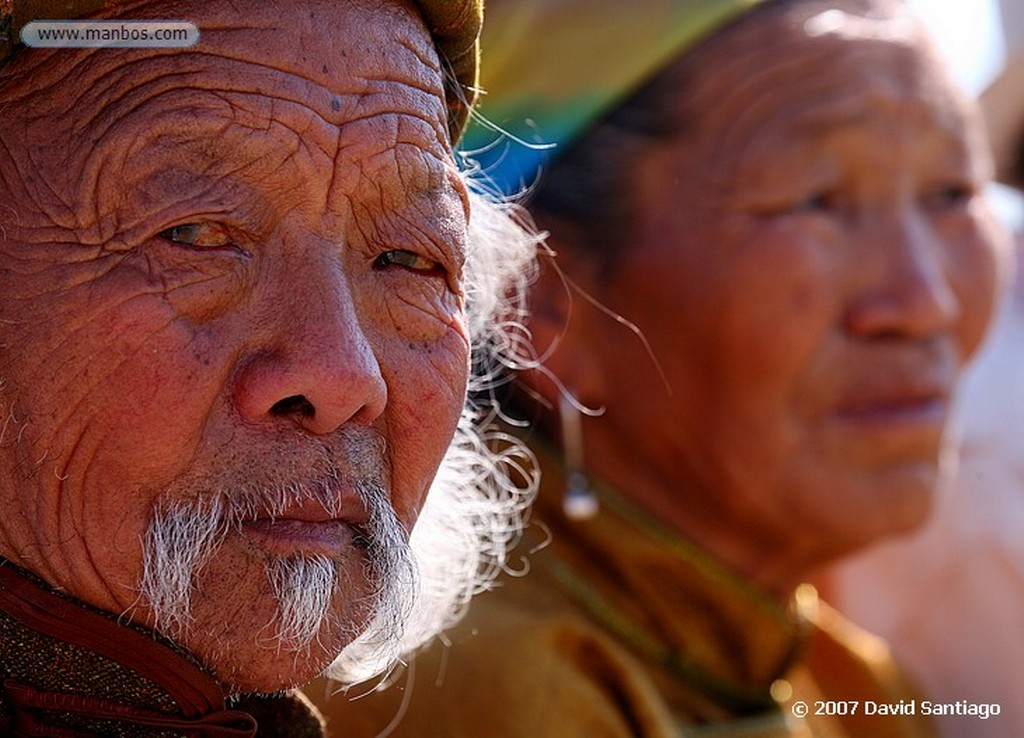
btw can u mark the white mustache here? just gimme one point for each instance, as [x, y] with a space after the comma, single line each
[185, 535]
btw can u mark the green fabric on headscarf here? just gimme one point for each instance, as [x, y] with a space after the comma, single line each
[454, 24]
[551, 68]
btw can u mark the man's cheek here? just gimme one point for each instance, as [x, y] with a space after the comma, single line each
[137, 411]
[417, 309]
[459, 326]
[425, 400]
[112, 522]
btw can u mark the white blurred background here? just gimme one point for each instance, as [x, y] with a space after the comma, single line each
[970, 33]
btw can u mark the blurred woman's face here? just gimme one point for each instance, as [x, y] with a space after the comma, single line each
[813, 264]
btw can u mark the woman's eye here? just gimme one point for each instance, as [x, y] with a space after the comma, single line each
[816, 203]
[951, 196]
[198, 235]
[407, 260]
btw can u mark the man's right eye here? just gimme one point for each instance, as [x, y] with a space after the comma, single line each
[197, 235]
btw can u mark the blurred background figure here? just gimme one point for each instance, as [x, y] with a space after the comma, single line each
[951, 598]
[772, 261]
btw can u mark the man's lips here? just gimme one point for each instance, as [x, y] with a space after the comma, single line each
[309, 528]
[289, 537]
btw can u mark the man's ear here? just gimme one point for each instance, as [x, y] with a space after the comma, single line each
[562, 323]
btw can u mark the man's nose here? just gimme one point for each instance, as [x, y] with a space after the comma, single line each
[316, 368]
[905, 290]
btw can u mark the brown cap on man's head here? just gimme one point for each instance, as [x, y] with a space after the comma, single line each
[454, 24]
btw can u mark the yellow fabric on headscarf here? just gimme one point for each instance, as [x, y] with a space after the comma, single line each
[551, 68]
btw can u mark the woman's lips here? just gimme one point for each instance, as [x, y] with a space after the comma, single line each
[910, 406]
[930, 407]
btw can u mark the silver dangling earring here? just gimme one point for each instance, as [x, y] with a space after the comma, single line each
[579, 502]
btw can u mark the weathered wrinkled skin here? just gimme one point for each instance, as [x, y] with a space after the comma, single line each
[812, 264]
[306, 140]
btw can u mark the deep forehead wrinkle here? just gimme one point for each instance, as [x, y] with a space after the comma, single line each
[115, 93]
[211, 108]
[289, 166]
[248, 111]
[865, 109]
[224, 30]
[394, 60]
[808, 83]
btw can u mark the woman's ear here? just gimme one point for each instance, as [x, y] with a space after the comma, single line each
[562, 323]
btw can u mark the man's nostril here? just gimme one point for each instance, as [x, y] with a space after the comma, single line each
[294, 405]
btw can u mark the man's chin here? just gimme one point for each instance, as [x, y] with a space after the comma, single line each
[244, 663]
[237, 630]
[263, 672]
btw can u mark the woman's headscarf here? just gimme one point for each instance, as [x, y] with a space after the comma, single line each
[552, 68]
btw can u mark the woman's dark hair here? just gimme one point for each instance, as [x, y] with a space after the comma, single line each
[1016, 174]
[588, 184]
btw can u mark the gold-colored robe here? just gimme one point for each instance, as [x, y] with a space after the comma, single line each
[618, 627]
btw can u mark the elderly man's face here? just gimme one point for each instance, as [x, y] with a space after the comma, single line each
[231, 313]
[812, 267]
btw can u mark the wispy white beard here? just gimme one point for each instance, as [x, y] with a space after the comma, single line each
[472, 518]
[183, 537]
[179, 542]
[303, 586]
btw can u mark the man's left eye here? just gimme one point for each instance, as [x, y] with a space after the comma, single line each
[198, 235]
[406, 259]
